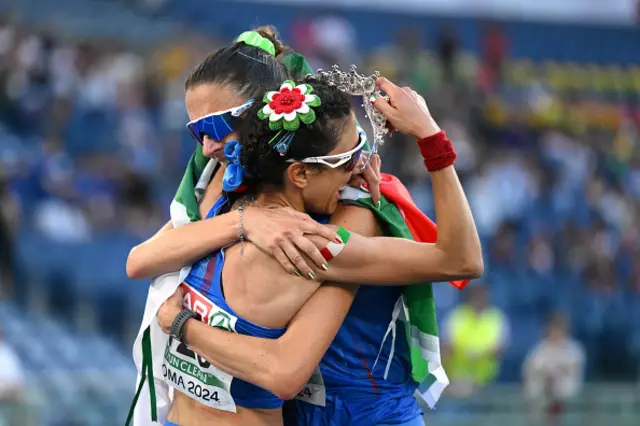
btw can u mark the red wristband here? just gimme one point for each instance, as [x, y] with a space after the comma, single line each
[437, 151]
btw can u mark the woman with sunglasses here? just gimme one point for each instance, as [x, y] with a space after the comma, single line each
[298, 150]
[296, 353]
[217, 91]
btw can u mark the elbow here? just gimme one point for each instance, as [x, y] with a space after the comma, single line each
[472, 267]
[287, 391]
[283, 381]
[135, 271]
[462, 267]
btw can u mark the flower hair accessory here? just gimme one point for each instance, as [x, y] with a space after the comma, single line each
[289, 106]
[234, 173]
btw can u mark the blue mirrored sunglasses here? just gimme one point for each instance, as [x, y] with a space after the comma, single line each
[217, 125]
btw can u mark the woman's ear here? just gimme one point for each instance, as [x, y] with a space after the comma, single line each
[298, 174]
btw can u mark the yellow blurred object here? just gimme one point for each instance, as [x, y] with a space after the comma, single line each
[555, 76]
[576, 119]
[382, 62]
[635, 78]
[475, 339]
[623, 145]
[174, 61]
[551, 116]
[522, 72]
[494, 112]
[616, 78]
[599, 79]
[576, 76]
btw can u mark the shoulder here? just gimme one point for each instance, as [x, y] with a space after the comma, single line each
[251, 263]
[354, 218]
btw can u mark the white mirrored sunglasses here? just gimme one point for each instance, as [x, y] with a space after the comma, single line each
[350, 158]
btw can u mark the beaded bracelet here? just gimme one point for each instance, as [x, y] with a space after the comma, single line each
[240, 228]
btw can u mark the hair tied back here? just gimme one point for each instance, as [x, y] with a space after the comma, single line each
[253, 38]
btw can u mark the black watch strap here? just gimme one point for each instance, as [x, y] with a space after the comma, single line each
[177, 327]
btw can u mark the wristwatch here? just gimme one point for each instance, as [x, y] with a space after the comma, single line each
[177, 327]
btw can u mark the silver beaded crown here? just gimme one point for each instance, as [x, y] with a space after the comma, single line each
[356, 84]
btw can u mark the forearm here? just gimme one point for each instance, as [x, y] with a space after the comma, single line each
[175, 248]
[393, 261]
[282, 365]
[457, 235]
[244, 357]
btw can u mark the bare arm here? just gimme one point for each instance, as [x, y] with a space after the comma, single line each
[390, 261]
[283, 365]
[396, 261]
[173, 248]
[279, 232]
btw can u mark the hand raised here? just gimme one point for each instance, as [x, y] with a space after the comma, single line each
[405, 110]
[368, 177]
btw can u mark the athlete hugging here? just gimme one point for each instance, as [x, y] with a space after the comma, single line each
[268, 310]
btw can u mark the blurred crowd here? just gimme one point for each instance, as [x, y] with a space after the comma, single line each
[92, 146]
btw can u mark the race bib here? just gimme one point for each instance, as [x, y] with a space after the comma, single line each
[314, 391]
[190, 373]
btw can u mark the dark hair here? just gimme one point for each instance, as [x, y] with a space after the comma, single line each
[249, 69]
[264, 164]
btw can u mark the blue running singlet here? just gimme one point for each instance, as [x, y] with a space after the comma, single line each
[203, 294]
[357, 393]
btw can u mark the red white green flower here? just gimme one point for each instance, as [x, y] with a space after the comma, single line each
[289, 106]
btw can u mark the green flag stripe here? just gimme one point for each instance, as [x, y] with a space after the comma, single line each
[343, 234]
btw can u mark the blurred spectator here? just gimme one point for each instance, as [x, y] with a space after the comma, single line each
[494, 51]
[9, 223]
[448, 53]
[140, 214]
[334, 39]
[11, 373]
[475, 336]
[553, 371]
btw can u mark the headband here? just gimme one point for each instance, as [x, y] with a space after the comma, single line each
[253, 38]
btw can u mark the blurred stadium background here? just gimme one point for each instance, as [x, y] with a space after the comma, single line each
[542, 99]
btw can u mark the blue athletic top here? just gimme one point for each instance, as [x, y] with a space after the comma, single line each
[348, 365]
[206, 278]
[356, 392]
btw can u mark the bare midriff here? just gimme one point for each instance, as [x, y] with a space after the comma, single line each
[187, 412]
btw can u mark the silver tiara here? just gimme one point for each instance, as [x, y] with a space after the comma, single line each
[356, 84]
